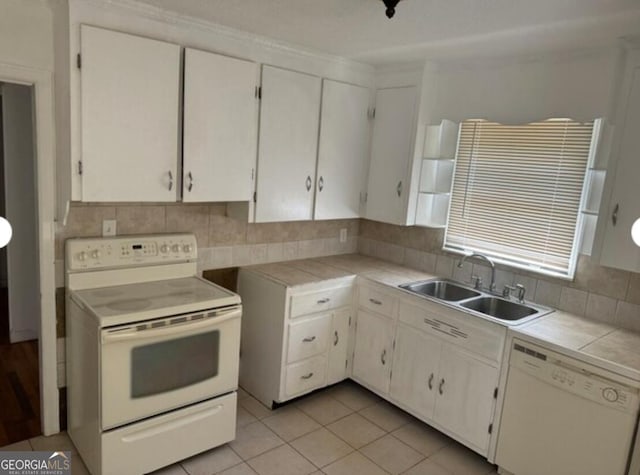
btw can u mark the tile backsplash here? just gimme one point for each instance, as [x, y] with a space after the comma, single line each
[222, 240]
[597, 292]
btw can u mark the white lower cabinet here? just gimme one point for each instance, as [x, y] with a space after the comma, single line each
[339, 345]
[438, 363]
[373, 350]
[295, 339]
[415, 370]
[465, 401]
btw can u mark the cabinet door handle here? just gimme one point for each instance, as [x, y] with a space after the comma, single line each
[614, 216]
[324, 300]
[308, 183]
[399, 188]
[383, 357]
[320, 184]
[190, 185]
[307, 376]
[430, 382]
[170, 180]
[441, 386]
[309, 339]
[375, 302]
[336, 338]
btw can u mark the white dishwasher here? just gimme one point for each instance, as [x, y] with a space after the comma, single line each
[562, 416]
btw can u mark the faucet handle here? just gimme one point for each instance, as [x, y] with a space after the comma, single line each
[521, 292]
[506, 291]
[476, 280]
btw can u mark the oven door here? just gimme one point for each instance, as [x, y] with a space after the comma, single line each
[164, 364]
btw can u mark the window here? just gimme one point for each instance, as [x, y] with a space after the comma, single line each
[518, 191]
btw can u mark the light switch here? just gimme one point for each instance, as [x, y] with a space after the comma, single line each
[109, 227]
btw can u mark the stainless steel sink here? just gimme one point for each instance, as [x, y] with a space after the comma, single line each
[499, 308]
[476, 302]
[441, 289]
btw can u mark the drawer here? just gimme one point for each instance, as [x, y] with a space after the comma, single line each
[305, 376]
[377, 300]
[150, 444]
[468, 331]
[308, 337]
[319, 300]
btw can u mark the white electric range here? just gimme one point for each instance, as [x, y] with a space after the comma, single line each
[152, 353]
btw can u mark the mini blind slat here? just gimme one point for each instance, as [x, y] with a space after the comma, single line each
[517, 191]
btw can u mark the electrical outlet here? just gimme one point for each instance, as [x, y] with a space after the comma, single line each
[343, 235]
[109, 227]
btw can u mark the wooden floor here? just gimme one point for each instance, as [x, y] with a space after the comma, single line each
[19, 384]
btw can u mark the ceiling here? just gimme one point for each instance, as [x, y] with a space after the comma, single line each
[359, 29]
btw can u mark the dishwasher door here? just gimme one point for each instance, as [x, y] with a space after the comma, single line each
[559, 418]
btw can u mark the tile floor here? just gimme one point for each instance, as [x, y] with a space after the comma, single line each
[343, 430]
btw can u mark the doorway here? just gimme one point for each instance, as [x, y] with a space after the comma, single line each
[19, 280]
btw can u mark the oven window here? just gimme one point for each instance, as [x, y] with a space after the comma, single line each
[174, 364]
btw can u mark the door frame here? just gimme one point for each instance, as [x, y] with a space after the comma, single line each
[44, 115]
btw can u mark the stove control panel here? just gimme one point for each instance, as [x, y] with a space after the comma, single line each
[129, 251]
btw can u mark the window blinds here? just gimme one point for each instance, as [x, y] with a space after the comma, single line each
[517, 192]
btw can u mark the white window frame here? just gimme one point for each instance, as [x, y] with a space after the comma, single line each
[579, 226]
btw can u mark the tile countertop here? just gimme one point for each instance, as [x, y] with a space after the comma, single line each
[600, 344]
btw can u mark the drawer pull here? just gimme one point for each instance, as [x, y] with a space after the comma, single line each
[309, 339]
[375, 302]
[336, 338]
[440, 388]
[431, 382]
[307, 376]
[383, 357]
[324, 300]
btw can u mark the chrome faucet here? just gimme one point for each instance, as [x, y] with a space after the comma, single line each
[492, 286]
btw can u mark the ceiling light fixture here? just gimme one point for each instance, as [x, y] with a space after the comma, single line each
[391, 7]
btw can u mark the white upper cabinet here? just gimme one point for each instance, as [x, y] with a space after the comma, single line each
[288, 144]
[343, 151]
[130, 115]
[392, 147]
[618, 249]
[220, 127]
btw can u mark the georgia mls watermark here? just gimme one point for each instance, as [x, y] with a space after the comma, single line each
[35, 463]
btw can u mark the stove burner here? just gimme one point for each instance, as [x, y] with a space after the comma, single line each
[130, 305]
[107, 292]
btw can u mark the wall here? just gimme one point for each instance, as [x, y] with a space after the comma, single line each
[21, 211]
[580, 85]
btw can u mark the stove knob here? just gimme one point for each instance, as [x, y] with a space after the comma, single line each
[175, 248]
[82, 256]
[95, 254]
[164, 249]
[187, 248]
[610, 394]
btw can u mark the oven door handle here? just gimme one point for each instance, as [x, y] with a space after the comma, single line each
[170, 330]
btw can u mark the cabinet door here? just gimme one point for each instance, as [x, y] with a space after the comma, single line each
[618, 248]
[414, 377]
[130, 107]
[220, 127]
[373, 350]
[465, 399]
[289, 118]
[343, 151]
[391, 155]
[338, 346]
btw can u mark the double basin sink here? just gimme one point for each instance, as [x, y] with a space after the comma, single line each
[476, 301]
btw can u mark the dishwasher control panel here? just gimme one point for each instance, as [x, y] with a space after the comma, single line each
[574, 376]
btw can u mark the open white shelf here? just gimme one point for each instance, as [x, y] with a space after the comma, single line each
[432, 210]
[436, 174]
